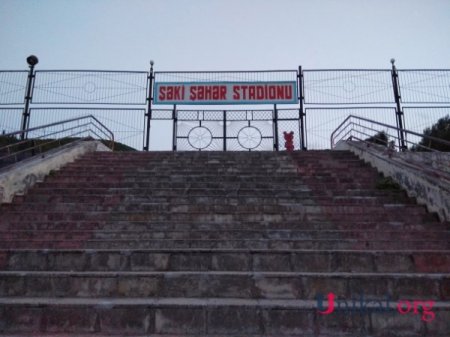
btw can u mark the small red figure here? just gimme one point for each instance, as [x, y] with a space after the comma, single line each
[289, 138]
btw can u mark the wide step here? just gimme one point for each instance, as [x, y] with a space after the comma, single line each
[215, 317]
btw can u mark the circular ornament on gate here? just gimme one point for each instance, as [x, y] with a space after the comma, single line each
[349, 86]
[90, 87]
[200, 137]
[249, 137]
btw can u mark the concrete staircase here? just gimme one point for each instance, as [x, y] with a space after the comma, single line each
[221, 244]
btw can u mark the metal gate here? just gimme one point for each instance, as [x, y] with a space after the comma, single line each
[231, 130]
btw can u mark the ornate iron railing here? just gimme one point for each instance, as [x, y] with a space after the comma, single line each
[408, 99]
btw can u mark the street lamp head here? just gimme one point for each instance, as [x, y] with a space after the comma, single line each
[32, 60]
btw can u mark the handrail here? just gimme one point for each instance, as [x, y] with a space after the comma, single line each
[347, 122]
[86, 124]
[57, 123]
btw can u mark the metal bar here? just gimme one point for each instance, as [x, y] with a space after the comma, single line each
[225, 71]
[224, 130]
[54, 124]
[28, 97]
[301, 97]
[149, 112]
[175, 128]
[275, 125]
[104, 127]
[399, 111]
[48, 135]
[336, 131]
[106, 130]
[41, 145]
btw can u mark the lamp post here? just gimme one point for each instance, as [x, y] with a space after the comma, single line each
[399, 112]
[32, 60]
[149, 109]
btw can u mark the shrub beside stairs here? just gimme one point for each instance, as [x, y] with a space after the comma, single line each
[221, 244]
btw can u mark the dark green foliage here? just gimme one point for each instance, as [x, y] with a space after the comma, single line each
[441, 130]
[380, 138]
[119, 147]
[387, 183]
[7, 140]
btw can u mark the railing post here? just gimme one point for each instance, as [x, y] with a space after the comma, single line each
[302, 113]
[225, 130]
[32, 61]
[275, 125]
[149, 110]
[175, 126]
[398, 110]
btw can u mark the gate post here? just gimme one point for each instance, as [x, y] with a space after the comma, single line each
[175, 128]
[398, 110]
[302, 114]
[32, 61]
[275, 126]
[225, 130]
[149, 111]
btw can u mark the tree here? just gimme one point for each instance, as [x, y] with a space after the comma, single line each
[441, 130]
[380, 138]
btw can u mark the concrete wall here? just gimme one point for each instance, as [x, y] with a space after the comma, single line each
[18, 178]
[425, 176]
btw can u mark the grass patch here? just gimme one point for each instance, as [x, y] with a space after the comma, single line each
[387, 183]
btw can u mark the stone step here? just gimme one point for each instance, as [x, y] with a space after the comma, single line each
[219, 317]
[120, 188]
[236, 196]
[250, 216]
[195, 196]
[222, 234]
[265, 182]
[409, 261]
[104, 198]
[339, 244]
[156, 208]
[116, 225]
[222, 284]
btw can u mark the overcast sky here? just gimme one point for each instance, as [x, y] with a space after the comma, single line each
[224, 34]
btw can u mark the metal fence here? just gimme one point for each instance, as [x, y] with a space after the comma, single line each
[124, 102]
[12, 87]
[117, 98]
[340, 87]
[90, 87]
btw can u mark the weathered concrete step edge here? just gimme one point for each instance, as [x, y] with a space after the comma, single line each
[275, 241]
[278, 233]
[112, 302]
[226, 260]
[231, 225]
[210, 317]
[273, 285]
[141, 205]
[223, 235]
[109, 198]
[238, 244]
